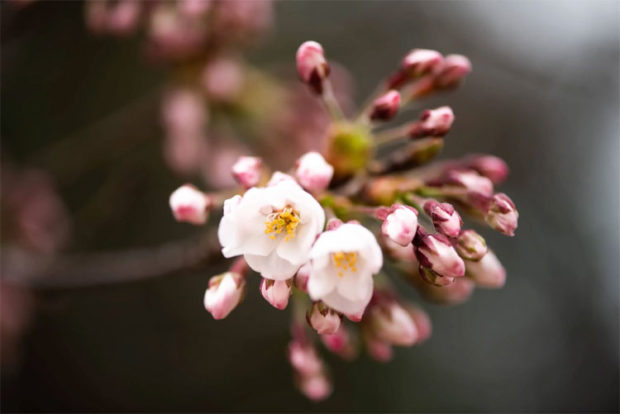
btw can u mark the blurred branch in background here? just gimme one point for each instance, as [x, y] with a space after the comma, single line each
[21, 267]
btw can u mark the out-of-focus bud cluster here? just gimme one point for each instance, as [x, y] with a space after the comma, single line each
[310, 373]
[34, 216]
[311, 229]
[182, 29]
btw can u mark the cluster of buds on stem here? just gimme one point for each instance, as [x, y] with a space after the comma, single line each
[310, 373]
[311, 232]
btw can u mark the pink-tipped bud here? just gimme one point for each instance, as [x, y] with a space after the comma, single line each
[398, 252]
[183, 112]
[471, 181]
[304, 359]
[401, 224]
[490, 166]
[190, 205]
[247, 171]
[502, 214]
[457, 292]
[224, 294]
[194, 8]
[433, 123]
[433, 278]
[340, 343]
[316, 388]
[451, 71]
[422, 323]
[313, 172]
[279, 177]
[391, 323]
[302, 276]
[435, 252]
[445, 218]
[471, 246]
[333, 224]
[276, 292]
[323, 319]
[421, 61]
[377, 349]
[386, 106]
[488, 272]
[312, 66]
[223, 79]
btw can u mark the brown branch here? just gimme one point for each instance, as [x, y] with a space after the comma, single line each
[95, 269]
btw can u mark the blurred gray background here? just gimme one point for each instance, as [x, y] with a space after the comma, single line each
[544, 95]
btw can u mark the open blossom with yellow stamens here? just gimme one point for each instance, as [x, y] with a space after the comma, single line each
[272, 227]
[343, 263]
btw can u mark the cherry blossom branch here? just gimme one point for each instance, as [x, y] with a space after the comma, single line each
[95, 269]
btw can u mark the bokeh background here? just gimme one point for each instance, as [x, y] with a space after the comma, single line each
[544, 95]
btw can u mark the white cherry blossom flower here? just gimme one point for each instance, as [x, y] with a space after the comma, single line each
[343, 263]
[272, 227]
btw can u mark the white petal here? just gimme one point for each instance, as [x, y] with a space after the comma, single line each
[355, 286]
[272, 266]
[297, 249]
[320, 283]
[341, 304]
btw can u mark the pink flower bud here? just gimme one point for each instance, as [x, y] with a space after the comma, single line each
[471, 181]
[302, 276]
[247, 171]
[445, 218]
[312, 66]
[377, 349]
[333, 224]
[397, 251]
[124, 17]
[422, 323]
[386, 106]
[433, 278]
[502, 214]
[340, 343]
[401, 224]
[194, 8]
[223, 79]
[451, 71]
[391, 323]
[316, 388]
[471, 246]
[313, 172]
[457, 292]
[433, 123]
[435, 252]
[278, 177]
[490, 166]
[304, 359]
[323, 319]
[276, 292]
[190, 205]
[224, 293]
[421, 61]
[184, 112]
[488, 272]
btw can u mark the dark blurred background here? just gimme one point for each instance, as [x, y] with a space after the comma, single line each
[544, 95]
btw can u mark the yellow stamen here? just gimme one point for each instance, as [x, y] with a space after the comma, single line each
[345, 261]
[285, 220]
